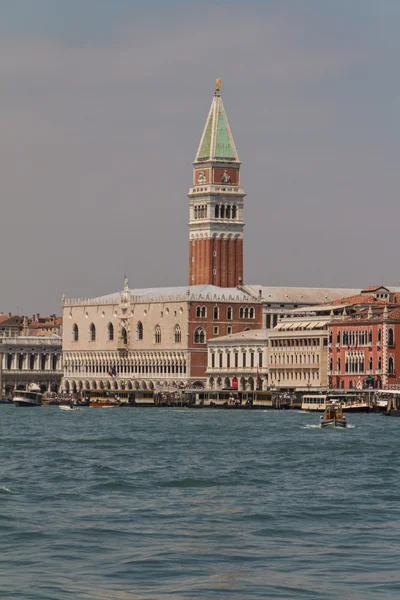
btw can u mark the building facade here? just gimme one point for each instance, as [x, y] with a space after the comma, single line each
[298, 353]
[363, 352]
[30, 359]
[149, 339]
[239, 361]
[279, 301]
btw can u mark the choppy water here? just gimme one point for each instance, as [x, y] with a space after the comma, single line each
[127, 504]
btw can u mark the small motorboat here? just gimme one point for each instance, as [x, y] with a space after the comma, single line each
[68, 407]
[333, 417]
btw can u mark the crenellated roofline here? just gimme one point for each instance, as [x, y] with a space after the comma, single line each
[189, 296]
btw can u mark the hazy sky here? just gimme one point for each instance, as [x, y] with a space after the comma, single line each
[102, 107]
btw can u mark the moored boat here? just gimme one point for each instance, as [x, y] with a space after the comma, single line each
[332, 417]
[350, 402]
[31, 396]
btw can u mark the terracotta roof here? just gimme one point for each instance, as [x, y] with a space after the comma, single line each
[377, 314]
[13, 321]
[373, 288]
[43, 324]
[394, 314]
[359, 299]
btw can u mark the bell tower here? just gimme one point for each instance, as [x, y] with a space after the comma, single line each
[216, 205]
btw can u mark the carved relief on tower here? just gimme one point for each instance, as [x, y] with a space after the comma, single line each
[201, 177]
[225, 176]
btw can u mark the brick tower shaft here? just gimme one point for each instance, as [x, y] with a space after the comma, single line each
[216, 205]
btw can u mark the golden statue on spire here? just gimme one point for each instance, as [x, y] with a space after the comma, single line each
[218, 84]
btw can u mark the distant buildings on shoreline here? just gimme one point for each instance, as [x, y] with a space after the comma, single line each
[215, 332]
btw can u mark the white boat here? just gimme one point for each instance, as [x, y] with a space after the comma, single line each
[32, 396]
[314, 402]
[68, 408]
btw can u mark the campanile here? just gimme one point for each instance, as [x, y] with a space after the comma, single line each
[216, 205]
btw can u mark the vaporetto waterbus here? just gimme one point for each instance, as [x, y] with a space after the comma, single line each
[230, 399]
[349, 401]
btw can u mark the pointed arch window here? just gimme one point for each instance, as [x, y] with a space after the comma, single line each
[110, 329]
[229, 313]
[233, 212]
[390, 365]
[216, 212]
[199, 336]
[379, 362]
[330, 364]
[241, 313]
[379, 336]
[216, 313]
[198, 311]
[75, 332]
[177, 334]
[370, 363]
[228, 212]
[92, 332]
[124, 336]
[139, 330]
[251, 313]
[390, 337]
[203, 311]
[157, 335]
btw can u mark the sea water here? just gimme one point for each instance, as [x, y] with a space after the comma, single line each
[141, 503]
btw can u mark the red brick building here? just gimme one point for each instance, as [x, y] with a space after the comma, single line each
[363, 352]
[209, 320]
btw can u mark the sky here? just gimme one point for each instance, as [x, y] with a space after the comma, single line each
[101, 111]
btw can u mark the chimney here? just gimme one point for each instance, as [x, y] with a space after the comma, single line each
[259, 293]
[9, 315]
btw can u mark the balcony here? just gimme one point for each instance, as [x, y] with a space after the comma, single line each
[122, 344]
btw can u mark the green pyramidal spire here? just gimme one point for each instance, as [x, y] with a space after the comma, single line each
[217, 141]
